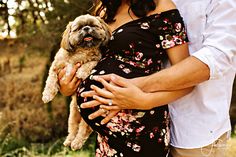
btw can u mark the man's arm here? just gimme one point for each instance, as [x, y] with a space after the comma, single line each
[216, 57]
[187, 73]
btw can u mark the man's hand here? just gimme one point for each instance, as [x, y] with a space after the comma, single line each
[68, 83]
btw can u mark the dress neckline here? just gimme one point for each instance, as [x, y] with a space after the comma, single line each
[142, 18]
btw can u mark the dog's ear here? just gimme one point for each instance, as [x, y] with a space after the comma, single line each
[107, 30]
[65, 43]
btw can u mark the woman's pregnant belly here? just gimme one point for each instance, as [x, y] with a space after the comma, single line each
[106, 66]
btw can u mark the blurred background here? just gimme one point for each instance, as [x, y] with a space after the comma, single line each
[30, 34]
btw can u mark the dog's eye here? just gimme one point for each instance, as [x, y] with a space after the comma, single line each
[75, 29]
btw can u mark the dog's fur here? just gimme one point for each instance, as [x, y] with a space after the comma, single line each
[80, 43]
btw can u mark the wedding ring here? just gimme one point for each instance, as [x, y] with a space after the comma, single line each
[110, 102]
[104, 111]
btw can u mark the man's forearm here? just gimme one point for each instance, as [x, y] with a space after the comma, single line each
[187, 73]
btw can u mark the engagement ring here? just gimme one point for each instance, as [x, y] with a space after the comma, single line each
[110, 102]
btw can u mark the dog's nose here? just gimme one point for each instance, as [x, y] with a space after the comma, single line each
[86, 28]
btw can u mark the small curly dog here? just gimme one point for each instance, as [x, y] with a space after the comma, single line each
[81, 43]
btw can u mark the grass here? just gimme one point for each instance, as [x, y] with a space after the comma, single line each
[231, 150]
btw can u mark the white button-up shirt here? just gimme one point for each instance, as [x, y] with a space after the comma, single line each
[202, 116]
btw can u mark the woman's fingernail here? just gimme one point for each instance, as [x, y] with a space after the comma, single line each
[95, 77]
[92, 86]
[82, 94]
[90, 117]
[102, 123]
[113, 78]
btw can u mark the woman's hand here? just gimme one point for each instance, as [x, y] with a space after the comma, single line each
[101, 112]
[68, 83]
[119, 94]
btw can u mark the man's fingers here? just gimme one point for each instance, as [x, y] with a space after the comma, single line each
[102, 92]
[98, 113]
[101, 99]
[90, 104]
[105, 77]
[110, 115]
[107, 107]
[88, 94]
[109, 86]
[120, 81]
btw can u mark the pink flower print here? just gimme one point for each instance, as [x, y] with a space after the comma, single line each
[127, 70]
[165, 28]
[166, 20]
[121, 66]
[147, 71]
[136, 147]
[155, 129]
[178, 27]
[145, 25]
[167, 137]
[104, 149]
[167, 44]
[127, 52]
[138, 130]
[158, 45]
[131, 45]
[139, 55]
[132, 63]
[149, 61]
[151, 135]
[159, 140]
[157, 16]
[177, 39]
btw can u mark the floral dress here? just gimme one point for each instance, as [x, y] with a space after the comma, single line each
[137, 48]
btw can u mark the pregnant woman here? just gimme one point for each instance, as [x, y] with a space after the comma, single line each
[146, 34]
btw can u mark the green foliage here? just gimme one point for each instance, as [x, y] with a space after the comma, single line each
[11, 147]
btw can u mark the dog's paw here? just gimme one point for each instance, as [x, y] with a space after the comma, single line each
[46, 98]
[77, 144]
[68, 141]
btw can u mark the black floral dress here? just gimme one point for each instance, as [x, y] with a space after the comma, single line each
[137, 48]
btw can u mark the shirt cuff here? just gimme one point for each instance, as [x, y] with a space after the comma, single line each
[205, 55]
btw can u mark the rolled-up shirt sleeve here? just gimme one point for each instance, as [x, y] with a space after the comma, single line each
[219, 38]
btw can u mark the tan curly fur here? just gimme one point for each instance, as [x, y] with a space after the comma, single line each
[80, 44]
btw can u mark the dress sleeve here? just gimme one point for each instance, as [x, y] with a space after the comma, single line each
[172, 31]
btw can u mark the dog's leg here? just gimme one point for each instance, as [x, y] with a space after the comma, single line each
[84, 71]
[51, 87]
[73, 121]
[84, 131]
